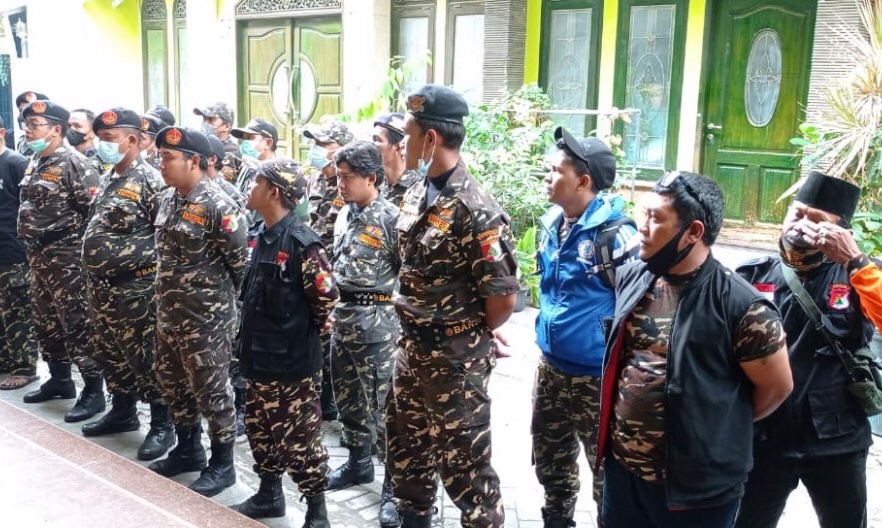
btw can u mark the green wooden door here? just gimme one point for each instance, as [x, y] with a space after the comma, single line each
[291, 74]
[757, 88]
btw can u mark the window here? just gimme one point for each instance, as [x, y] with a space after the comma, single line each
[153, 23]
[182, 87]
[413, 37]
[465, 48]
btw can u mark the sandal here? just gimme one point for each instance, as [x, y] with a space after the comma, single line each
[19, 378]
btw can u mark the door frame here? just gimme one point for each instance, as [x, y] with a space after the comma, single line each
[244, 11]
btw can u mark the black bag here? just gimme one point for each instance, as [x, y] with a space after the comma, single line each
[863, 368]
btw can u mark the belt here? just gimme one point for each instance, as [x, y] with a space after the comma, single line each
[45, 240]
[439, 333]
[123, 278]
[365, 298]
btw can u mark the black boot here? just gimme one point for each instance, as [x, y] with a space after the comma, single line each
[122, 418]
[90, 402]
[388, 515]
[329, 403]
[220, 473]
[240, 411]
[161, 435]
[269, 501]
[59, 385]
[359, 469]
[316, 513]
[556, 520]
[412, 520]
[188, 455]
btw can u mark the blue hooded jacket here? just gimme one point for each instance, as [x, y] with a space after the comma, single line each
[573, 301]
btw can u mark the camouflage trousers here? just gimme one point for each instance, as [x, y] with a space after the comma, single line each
[283, 421]
[124, 335]
[361, 375]
[565, 413]
[19, 346]
[192, 369]
[438, 422]
[58, 301]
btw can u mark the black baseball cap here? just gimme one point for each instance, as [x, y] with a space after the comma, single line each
[184, 139]
[392, 121]
[260, 127]
[594, 152]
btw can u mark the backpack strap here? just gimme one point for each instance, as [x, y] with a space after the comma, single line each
[605, 244]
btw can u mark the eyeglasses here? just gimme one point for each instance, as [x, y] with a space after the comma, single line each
[668, 181]
[32, 126]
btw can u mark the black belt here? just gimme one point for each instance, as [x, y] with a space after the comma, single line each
[366, 298]
[45, 240]
[435, 333]
[123, 278]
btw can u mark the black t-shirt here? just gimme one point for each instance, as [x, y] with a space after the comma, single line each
[12, 169]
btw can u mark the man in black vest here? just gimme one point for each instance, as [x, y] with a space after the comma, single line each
[818, 435]
[694, 357]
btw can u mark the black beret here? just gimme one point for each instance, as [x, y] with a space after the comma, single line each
[150, 124]
[29, 97]
[184, 139]
[434, 101]
[217, 147]
[594, 152]
[117, 118]
[162, 112]
[47, 109]
[830, 194]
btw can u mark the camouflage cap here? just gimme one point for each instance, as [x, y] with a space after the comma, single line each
[117, 118]
[47, 109]
[437, 102]
[286, 175]
[329, 131]
[184, 139]
[218, 109]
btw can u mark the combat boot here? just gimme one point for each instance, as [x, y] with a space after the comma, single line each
[220, 473]
[316, 513]
[555, 520]
[410, 519]
[359, 469]
[90, 402]
[269, 501]
[122, 418]
[188, 455]
[161, 435]
[240, 412]
[59, 385]
[388, 515]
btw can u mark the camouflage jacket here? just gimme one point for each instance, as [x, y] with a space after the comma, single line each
[120, 237]
[366, 263]
[232, 162]
[324, 205]
[235, 194]
[55, 194]
[200, 247]
[395, 193]
[454, 253]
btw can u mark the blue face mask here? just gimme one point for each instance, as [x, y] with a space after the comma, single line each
[247, 148]
[38, 145]
[109, 152]
[423, 165]
[318, 157]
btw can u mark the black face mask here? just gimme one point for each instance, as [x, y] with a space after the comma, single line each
[667, 257]
[75, 138]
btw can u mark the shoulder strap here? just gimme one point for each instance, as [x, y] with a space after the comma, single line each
[819, 320]
[605, 244]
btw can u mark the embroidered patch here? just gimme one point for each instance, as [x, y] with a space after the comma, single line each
[586, 250]
[145, 125]
[53, 170]
[282, 259]
[50, 177]
[338, 202]
[193, 218]
[109, 118]
[324, 282]
[839, 296]
[196, 208]
[132, 186]
[416, 103]
[128, 194]
[767, 290]
[369, 241]
[374, 231]
[491, 252]
[439, 223]
[173, 136]
[231, 223]
[93, 191]
[38, 107]
[30, 97]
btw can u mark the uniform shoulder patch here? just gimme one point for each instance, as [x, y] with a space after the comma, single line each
[839, 296]
[230, 223]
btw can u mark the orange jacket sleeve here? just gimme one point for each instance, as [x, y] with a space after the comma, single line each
[867, 281]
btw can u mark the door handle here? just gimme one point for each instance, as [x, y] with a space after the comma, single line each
[712, 126]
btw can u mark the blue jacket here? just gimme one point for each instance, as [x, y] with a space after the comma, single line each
[573, 301]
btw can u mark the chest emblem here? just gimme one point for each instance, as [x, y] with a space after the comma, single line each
[282, 260]
[586, 250]
[839, 296]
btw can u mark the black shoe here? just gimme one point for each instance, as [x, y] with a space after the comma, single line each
[269, 501]
[240, 412]
[161, 435]
[556, 520]
[316, 513]
[412, 520]
[90, 402]
[359, 469]
[220, 473]
[388, 515]
[59, 385]
[122, 418]
[189, 455]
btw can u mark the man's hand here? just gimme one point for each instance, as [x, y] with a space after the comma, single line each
[834, 241]
[500, 344]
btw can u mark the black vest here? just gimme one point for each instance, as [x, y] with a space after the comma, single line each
[279, 339]
[708, 398]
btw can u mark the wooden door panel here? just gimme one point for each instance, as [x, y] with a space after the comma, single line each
[775, 182]
[318, 88]
[266, 50]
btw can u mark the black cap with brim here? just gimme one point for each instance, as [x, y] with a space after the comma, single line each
[393, 122]
[595, 153]
[259, 127]
[186, 140]
[829, 194]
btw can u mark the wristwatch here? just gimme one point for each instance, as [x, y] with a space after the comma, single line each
[857, 263]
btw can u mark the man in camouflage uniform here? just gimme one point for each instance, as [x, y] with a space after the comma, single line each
[388, 136]
[457, 284]
[55, 197]
[22, 101]
[150, 126]
[289, 293]
[324, 205]
[200, 246]
[366, 263]
[119, 257]
[216, 166]
[18, 348]
[217, 120]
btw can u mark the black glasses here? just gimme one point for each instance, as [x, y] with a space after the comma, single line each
[668, 181]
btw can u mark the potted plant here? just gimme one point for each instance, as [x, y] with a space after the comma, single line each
[528, 276]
